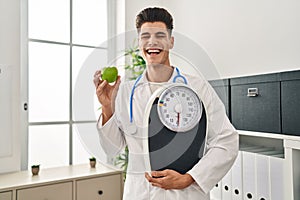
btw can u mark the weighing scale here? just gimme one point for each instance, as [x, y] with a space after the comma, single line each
[176, 128]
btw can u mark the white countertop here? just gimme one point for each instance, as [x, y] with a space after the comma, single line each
[269, 135]
[289, 141]
[50, 175]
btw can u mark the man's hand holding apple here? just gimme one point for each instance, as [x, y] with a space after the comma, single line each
[106, 92]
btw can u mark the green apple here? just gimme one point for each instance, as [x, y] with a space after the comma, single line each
[110, 74]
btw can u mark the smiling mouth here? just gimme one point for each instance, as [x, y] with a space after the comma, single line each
[153, 51]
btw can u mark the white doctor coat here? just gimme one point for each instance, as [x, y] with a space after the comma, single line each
[220, 151]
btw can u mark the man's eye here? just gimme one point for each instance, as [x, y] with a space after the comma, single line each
[161, 36]
[145, 37]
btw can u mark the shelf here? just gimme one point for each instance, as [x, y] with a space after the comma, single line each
[50, 175]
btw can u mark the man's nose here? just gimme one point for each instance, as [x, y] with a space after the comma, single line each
[152, 40]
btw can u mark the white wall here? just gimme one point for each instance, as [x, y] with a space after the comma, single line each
[241, 37]
[132, 8]
[10, 55]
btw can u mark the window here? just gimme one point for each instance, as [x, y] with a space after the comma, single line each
[62, 33]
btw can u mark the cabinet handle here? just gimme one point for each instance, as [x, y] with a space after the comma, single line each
[25, 106]
[100, 192]
[252, 92]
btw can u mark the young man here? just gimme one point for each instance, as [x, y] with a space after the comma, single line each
[117, 128]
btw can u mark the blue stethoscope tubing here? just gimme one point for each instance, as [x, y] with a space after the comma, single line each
[136, 82]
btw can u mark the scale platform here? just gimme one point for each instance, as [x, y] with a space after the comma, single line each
[178, 151]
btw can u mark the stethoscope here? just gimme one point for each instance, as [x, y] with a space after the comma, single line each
[136, 83]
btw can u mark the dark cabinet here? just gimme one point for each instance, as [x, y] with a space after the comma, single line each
[290, 102]
[255, 103]
[263, 103]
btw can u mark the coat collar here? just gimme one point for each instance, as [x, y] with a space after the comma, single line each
[145, 80]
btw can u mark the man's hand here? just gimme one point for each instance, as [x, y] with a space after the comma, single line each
[169, 179]
[106, 94]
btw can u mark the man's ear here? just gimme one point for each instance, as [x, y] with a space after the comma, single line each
[171, 42]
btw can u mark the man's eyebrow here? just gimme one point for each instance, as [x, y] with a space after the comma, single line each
[145, 33]
[161, 33]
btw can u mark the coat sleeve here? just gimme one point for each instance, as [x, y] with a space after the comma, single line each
[111, 134]
[111, 137]
[221, 145]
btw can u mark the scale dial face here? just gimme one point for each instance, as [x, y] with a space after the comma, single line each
[179, 108]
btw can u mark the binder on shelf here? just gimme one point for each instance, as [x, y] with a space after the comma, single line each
[237, 179]
[262, 176]
[276, 177]
[227, 186]
[216, 192]
[261, 172]
[249, 172]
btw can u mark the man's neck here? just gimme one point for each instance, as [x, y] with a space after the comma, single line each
[159, 73]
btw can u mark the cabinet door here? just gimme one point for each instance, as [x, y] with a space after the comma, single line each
[290, 98]
[104, 188]
[259, 112]
[6, 195]
[59, 191]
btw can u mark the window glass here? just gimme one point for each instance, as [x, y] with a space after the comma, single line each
[48, 145]
[87, 58]
[80, 152]
[49, 72]
[87, 144]
[89, 22]
[49, 20]
[49, 83]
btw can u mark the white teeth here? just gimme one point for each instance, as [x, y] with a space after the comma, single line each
[153, 51]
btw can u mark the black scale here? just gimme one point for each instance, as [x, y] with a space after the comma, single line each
[176, 150]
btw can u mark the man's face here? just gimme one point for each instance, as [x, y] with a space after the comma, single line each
[155, 43]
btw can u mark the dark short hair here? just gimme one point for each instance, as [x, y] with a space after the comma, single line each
[154, 15]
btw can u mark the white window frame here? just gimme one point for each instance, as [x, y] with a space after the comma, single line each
[111, 31]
